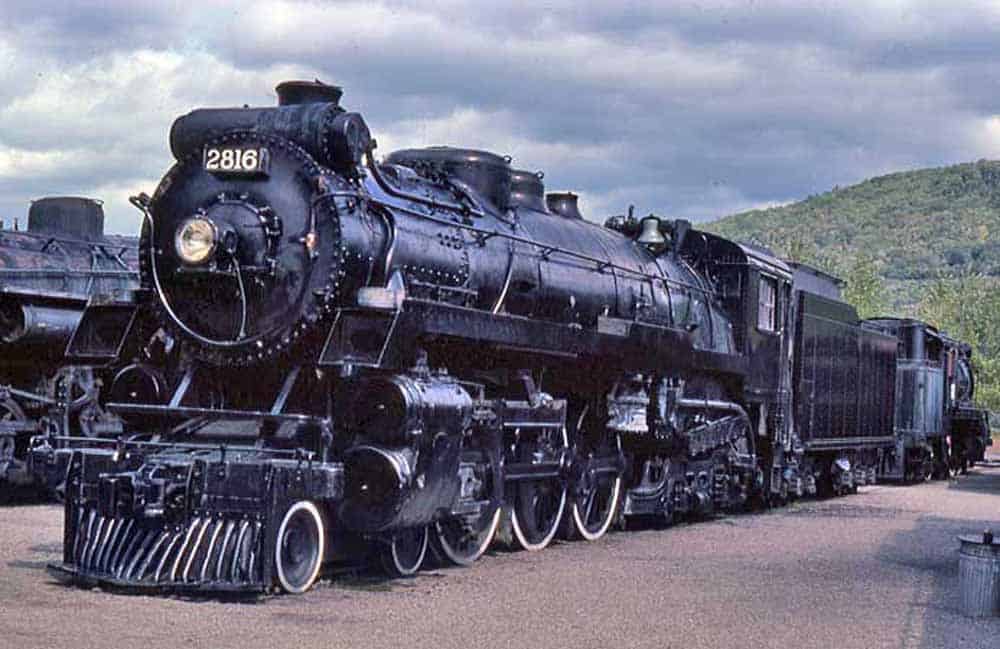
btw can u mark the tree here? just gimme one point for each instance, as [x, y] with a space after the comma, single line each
[967, 307]
[864, 288]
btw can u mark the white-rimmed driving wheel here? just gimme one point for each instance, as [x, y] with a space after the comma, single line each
[595, 492]
[537, 506]
[594, 509]
[463, 539]
[298, 553]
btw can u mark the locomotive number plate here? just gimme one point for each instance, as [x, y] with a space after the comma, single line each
[237, 160]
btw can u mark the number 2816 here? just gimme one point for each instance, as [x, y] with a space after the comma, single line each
[236, 160]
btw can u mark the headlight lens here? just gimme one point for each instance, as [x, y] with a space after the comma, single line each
[195, 240]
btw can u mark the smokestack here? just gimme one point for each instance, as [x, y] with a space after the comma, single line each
[307, 92]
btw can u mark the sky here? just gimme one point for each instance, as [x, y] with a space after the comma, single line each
[686, 109]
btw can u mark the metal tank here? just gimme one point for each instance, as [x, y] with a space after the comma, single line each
[979, 575]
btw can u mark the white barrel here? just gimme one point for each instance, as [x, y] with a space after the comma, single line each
[979, 576]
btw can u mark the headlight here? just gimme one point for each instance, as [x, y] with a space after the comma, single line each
[195, 240]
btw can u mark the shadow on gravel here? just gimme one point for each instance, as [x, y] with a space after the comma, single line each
[929, 551]
[27, 565]
[370, 577]
[371, 581]
[18, 496]
[978, 481]
[250, 599]
[37, 557]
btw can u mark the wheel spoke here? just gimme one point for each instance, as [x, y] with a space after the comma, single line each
[590, 505]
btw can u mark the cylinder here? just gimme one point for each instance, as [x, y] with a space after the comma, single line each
[408, 470]
[397, 488]
[979, 576]
[30, 324]
[395, 408]
[377, 481]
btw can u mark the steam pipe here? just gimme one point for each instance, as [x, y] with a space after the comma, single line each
[387, 187]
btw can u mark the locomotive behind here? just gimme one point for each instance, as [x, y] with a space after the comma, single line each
[341, 357]
[968, 424]
[939, 428]
[48, 273]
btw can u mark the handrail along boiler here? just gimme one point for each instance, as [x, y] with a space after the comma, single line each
[351, 356]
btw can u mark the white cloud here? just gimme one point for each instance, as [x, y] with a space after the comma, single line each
[985, 137]
[690, 110]
[17, 162]
[103, 123]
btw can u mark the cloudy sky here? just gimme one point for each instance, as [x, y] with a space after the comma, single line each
[693, 109]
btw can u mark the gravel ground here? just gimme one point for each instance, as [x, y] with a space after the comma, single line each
[878, 569]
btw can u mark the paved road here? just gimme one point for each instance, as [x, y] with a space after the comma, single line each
[874, 570]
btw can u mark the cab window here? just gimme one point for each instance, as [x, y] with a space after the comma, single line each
[767, 304]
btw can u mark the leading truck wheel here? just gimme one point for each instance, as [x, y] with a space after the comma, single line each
[298, 553]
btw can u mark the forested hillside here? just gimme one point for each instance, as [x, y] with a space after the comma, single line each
[916, 224]
[922, 243]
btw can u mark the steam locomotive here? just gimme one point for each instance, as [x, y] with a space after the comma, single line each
[331, 356]
[48, 272]
[939, 429]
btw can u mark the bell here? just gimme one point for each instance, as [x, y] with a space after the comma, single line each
[650, 236]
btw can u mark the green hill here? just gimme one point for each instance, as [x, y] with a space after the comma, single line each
[922, 243]
[915, 225]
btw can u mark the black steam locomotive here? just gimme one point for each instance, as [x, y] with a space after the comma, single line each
[48, 273]
[939, 429]
[967, 424]
[335, 356]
